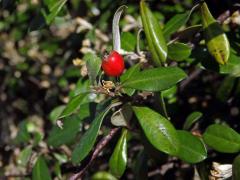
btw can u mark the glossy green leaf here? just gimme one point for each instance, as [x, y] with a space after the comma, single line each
[54, 9]
[128, 41]
[216, 40]
[71, 126]
[73, 105]
[87, 141]
[178, 51]
[191, 148]
[154, 35]
[191, 119]
[236, 169]
[102, 175]
[158, 130]
[225, 89]
[222, 138]
[128, 74]
[40, 170]
[24, 156]
[56, 112]
[175, 23]
[93, 64]
[155, 79]
[118, 160]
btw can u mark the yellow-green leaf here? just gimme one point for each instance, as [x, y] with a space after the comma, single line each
[216, 40]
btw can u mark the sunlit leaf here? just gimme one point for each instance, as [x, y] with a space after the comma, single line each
[222, 138]
[158, 130]
[156, 79]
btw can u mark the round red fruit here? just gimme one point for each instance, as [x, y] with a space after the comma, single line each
[113, 64]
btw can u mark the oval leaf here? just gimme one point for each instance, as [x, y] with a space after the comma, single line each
[156, 79]
[191, 119]
[216, 40]
[222, 138]
[159, 131]
[154, 35]
[40, 170]
[178, 51]
[118, 160]
[191, 150]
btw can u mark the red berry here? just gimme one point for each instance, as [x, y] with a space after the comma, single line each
[113, 64]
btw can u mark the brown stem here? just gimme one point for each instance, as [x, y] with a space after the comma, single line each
[104, 141]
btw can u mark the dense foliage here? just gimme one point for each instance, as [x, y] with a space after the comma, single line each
[172, 114]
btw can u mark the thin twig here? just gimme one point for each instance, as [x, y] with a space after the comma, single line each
[104, 141]
[191, 77]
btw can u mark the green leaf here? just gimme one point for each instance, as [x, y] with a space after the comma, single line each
[155, 39]
[128, 74]
[54, 9]
[71, 126]
[236, 169]
[24, 156]
[155, 79]
[40, 170]
[216, 40]
[128, 41]
[191, 119]
[225, 89]
[222, 138]
[158, 130]
[56, 112]
[102, 175]
[73, 104]
[93, 64]
[232, 67]
[87, 141]
[23, 135]
[178, 51]
[175, 23]
[191, 150]
[118, 160]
